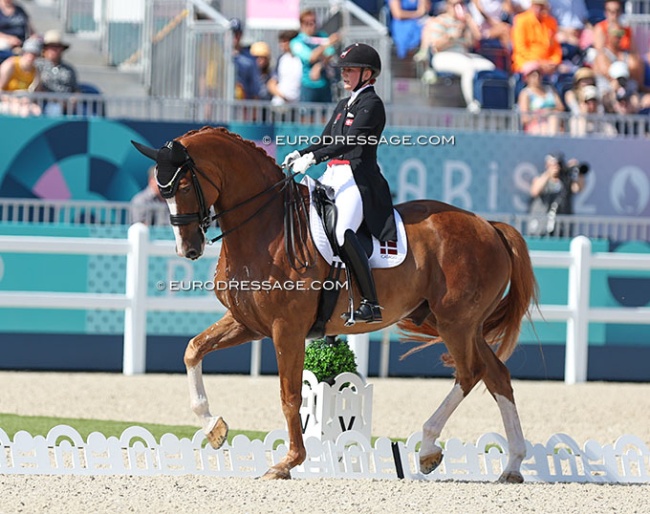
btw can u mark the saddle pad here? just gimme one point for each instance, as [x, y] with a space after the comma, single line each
[384, 255]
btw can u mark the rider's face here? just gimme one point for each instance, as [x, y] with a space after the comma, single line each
[350, 77]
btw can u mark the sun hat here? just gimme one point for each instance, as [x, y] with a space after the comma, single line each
[583, 73]
[590, 93]
[260, 49]
[54, 38]
[529, 67]
[619, 70]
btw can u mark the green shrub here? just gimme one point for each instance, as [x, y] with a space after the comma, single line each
[326, 360]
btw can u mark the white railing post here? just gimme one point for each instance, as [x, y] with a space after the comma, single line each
[359, 344]
[577, 343]
[135, 315]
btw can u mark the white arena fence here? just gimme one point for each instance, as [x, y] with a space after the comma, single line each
[136, 303]
[137, 453]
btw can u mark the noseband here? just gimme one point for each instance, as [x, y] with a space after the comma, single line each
[169, 191]
[203, 216]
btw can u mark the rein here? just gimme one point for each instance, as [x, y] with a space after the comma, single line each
[294, 204]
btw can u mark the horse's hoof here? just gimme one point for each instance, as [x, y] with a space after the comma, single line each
[276, 474]
[511, 477]
[430, 462]
[216, 432]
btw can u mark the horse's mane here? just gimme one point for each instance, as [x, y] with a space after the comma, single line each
[234, 136]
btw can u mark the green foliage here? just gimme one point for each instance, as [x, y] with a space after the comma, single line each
[327, 360]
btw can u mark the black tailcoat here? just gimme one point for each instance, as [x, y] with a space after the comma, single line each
[359, 128]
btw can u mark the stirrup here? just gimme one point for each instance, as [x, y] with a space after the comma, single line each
[368, 312]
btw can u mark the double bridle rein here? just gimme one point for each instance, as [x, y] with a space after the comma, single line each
[294, 204]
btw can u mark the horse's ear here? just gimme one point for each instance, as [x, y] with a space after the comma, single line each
[152, 153]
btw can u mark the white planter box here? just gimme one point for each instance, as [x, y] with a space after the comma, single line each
[328, 411]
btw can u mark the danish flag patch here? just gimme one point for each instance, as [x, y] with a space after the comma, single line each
[388, 247]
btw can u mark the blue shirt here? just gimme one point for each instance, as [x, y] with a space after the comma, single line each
[247, 77]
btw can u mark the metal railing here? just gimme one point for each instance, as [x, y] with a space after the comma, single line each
[136, 303]
[79, 212]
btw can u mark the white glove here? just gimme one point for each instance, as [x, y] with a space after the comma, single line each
[303, 163]
[290, 158]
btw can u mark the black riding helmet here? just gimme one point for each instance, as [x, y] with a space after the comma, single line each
[360, 55]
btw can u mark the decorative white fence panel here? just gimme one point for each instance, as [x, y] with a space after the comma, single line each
[136, 452]
[135, 302]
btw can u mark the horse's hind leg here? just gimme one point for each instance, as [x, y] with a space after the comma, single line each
[468, 373]
[497, 380]
[224, 333]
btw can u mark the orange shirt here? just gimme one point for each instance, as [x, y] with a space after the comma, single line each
[534, 40]
[624, 44]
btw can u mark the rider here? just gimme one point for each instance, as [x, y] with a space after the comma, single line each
[349, 142]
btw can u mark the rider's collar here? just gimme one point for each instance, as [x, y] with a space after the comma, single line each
[355, 94]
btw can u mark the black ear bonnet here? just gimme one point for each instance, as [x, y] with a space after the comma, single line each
[170, 159]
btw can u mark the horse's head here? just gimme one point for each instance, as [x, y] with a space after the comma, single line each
[176, 176]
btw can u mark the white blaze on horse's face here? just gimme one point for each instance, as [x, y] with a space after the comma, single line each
[192, 248]
[171, 203]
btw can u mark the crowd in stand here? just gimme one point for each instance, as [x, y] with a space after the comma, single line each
[560, 56]
[31, 62]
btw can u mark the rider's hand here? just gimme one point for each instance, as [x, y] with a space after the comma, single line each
[289, 159]
[303, 163]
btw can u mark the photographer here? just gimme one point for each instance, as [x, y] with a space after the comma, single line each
[552, 193]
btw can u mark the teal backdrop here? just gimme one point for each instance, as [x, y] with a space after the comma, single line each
[92, 159]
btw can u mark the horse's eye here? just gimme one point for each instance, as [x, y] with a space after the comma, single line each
[185, 189]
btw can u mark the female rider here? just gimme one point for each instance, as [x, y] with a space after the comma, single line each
[349, 142]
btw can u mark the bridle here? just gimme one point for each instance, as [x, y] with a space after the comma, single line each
[294, 203]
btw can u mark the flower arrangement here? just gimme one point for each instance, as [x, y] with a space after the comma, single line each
[326, 358]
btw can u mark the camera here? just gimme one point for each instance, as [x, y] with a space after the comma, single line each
[582, 168]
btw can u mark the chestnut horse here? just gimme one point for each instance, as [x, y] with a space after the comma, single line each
[465, 281]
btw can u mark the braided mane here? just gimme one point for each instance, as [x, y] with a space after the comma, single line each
[232, 135]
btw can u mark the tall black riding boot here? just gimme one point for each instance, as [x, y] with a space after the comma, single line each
[356, 260]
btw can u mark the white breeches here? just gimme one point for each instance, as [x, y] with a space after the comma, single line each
[346, 197]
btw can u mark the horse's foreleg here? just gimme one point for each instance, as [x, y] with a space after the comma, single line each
[290, 353]
[497, 380]
[224, 333]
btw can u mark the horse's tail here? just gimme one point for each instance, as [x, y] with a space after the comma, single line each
[504, 324]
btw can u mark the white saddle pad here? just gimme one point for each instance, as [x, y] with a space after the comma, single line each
[384, 255]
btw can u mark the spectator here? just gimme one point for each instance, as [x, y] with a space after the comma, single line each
[314, 49]
[533, 36]
[588, 121]
[57, 76]
[615, 42]
[619, 86]
[406, 20]
[571, 16]
[15, 27]
[262, 54]
[491, 18]
[19, 74]
[450, 36]
[247, 76]
[146, 206]
[552, 193]
[285, 85]
[539, 104]
[581, 78]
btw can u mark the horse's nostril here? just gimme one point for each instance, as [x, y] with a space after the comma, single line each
[192, 254]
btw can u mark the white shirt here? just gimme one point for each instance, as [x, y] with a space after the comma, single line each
[354, 94]
[289, 79]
